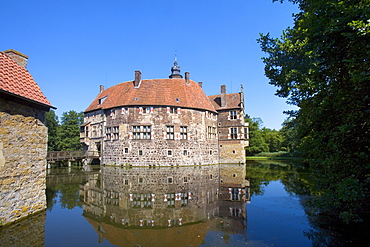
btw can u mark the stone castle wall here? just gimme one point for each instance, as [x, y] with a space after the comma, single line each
[23, 149]
[120, 146]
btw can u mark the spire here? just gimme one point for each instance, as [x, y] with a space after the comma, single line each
[175, 70]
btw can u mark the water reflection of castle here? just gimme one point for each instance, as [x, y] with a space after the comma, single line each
[182, 198]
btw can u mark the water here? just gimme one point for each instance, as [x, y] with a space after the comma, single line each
[259, 204]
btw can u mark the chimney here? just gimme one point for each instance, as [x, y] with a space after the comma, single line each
[101, 88]
[137, 79]
[200, 84]
[223, 95]
[18, 57]
[187, 78]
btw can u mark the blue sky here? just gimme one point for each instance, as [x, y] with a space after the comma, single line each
[75, 46]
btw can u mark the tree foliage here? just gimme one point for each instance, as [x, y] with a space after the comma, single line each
[68, 132]
[52, 123]
[322, 66]
[257, 143]
[262, 139]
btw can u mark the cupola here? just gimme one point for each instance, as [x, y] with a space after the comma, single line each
[175, 70]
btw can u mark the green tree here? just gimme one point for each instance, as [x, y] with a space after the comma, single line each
[322, 66]
[69, 131]
[290, 136]
[257, 143]
[273, 139]
[52, 123]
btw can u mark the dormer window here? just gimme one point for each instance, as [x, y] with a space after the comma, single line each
[101, 100]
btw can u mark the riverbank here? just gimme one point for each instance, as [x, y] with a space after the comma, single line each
[272, 158]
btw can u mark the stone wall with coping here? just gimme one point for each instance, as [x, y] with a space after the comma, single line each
[23, 149]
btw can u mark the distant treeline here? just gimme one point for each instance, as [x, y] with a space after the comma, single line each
[265, 140]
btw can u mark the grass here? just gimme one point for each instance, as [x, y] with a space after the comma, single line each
[276, 156]
[272, 158]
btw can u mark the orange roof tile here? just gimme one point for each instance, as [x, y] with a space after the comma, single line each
[15, 79]
[154, 92]
[232, 101]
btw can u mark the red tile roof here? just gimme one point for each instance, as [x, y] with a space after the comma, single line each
[154, 92]
[15, 79]
[232, 101]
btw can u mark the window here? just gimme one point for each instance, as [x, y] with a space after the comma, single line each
[184, 199]
[211, 132]
[246, 133]
[124, 110]
[170, 180]
[185, 152]
[170, 132]
[142, 200]
[113, 114]
[233, 115]
[171, 109]
[148, 110]
[126, 150]
[234, 133]
[185, 179]
[141, 132]
[183, 132]
[112, 133]
[140, 152]
[126, 182]
[101, 100]
[171, 200]
[140, 180]
[169, 152]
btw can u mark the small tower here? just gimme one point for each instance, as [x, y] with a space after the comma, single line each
[175, 70]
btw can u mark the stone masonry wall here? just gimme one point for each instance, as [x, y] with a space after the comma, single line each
[232, 150]
[14, 108]
[23, 149]
[121, 148]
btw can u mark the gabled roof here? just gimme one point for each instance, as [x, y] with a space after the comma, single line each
[15, 80]
[232, 101]
[153, 92]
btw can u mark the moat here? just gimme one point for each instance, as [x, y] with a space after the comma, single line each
[258, 204]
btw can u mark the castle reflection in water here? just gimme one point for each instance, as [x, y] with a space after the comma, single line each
[124, 203]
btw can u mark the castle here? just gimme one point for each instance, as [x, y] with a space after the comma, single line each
[165, 122]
